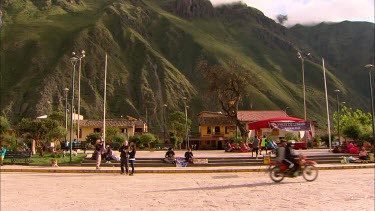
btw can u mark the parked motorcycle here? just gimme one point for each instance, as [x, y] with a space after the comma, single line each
[279, 170]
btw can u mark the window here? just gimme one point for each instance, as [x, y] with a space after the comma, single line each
[97, 130]
[208, 130]
[217, 129]
[124, 130]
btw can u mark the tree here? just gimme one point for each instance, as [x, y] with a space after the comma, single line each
[147, 139]
[32, 129]
[228, 85]
[177, 121]
[92, 137]
[42, 131]
[354, 124]
[110, 133]
[58, 116]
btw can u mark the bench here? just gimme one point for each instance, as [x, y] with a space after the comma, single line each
[163, 146]
[14, 155]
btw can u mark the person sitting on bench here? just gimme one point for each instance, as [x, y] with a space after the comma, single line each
[170, 156]
[363, 155]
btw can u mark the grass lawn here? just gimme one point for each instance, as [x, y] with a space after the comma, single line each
[36, 159]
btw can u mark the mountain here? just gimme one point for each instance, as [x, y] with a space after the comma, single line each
[153, 48]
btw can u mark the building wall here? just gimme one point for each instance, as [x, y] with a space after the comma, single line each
[85, 131]
[208, 131]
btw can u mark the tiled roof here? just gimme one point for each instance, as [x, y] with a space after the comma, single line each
[215, 120]
[252, 116]
[108, 123]
[207, 117]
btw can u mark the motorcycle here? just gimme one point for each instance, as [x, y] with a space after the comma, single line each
[279, 170]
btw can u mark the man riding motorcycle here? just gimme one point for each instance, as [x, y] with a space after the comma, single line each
[286, 154]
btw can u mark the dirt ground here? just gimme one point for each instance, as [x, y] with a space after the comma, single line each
[351, 189]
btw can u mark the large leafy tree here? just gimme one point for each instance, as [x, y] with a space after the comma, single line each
[228, 85]
[42, 131]
[354, 124]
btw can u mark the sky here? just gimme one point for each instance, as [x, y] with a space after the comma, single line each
[310, 12]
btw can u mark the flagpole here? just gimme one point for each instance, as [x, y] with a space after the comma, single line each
[104, 96]
[328, 122]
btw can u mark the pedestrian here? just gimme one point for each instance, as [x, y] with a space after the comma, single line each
[131, 153]
[98, 151]
[263, 145]
[124, 149]
[255, 147]
[2, 154]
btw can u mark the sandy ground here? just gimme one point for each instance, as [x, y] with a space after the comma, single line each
[333, 190]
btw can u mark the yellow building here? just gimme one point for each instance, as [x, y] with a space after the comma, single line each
[215, 129]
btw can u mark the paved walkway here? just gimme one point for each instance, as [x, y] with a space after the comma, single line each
[351, 189]
[160, 154]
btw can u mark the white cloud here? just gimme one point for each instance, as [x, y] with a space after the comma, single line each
[313, 11]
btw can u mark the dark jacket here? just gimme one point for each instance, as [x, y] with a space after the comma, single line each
[188, 155]
[123, 149]
[132, 154]
[289, 154]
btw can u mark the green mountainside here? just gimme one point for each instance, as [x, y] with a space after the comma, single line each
[153, 47]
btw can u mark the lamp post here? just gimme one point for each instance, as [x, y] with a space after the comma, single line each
[303, 82]
[337, 91]
[79, 57]
[186, 125]
[74, 61]
[371, 78]
[164, 107]
[66, 109]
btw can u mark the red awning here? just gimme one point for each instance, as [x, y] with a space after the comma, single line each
[265, 122]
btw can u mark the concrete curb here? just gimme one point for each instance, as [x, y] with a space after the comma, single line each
[169, 171]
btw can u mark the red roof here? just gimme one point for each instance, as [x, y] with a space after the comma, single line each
[264, 123]
[253, 116]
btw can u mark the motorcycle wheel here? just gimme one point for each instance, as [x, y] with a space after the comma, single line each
[276, 174]
[310, 173]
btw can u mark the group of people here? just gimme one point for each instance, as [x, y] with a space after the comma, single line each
[170, 156]
[258, 145]
[127, 155]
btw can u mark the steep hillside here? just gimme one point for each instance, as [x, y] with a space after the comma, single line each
[153, 47]
[347, 47]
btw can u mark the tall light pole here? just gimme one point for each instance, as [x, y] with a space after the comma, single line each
[371, 78]
[79, 57]
[337, 91]
[164, 107]
[186, 125]
[66, 109]
[74, 61]
[300, 56]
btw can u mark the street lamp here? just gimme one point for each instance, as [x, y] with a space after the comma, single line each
[164, 107]
[79, 57]
[337, 91]
[372, 99]
[303, 81]
[186, 125]
[74, 61]
[66, 109]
